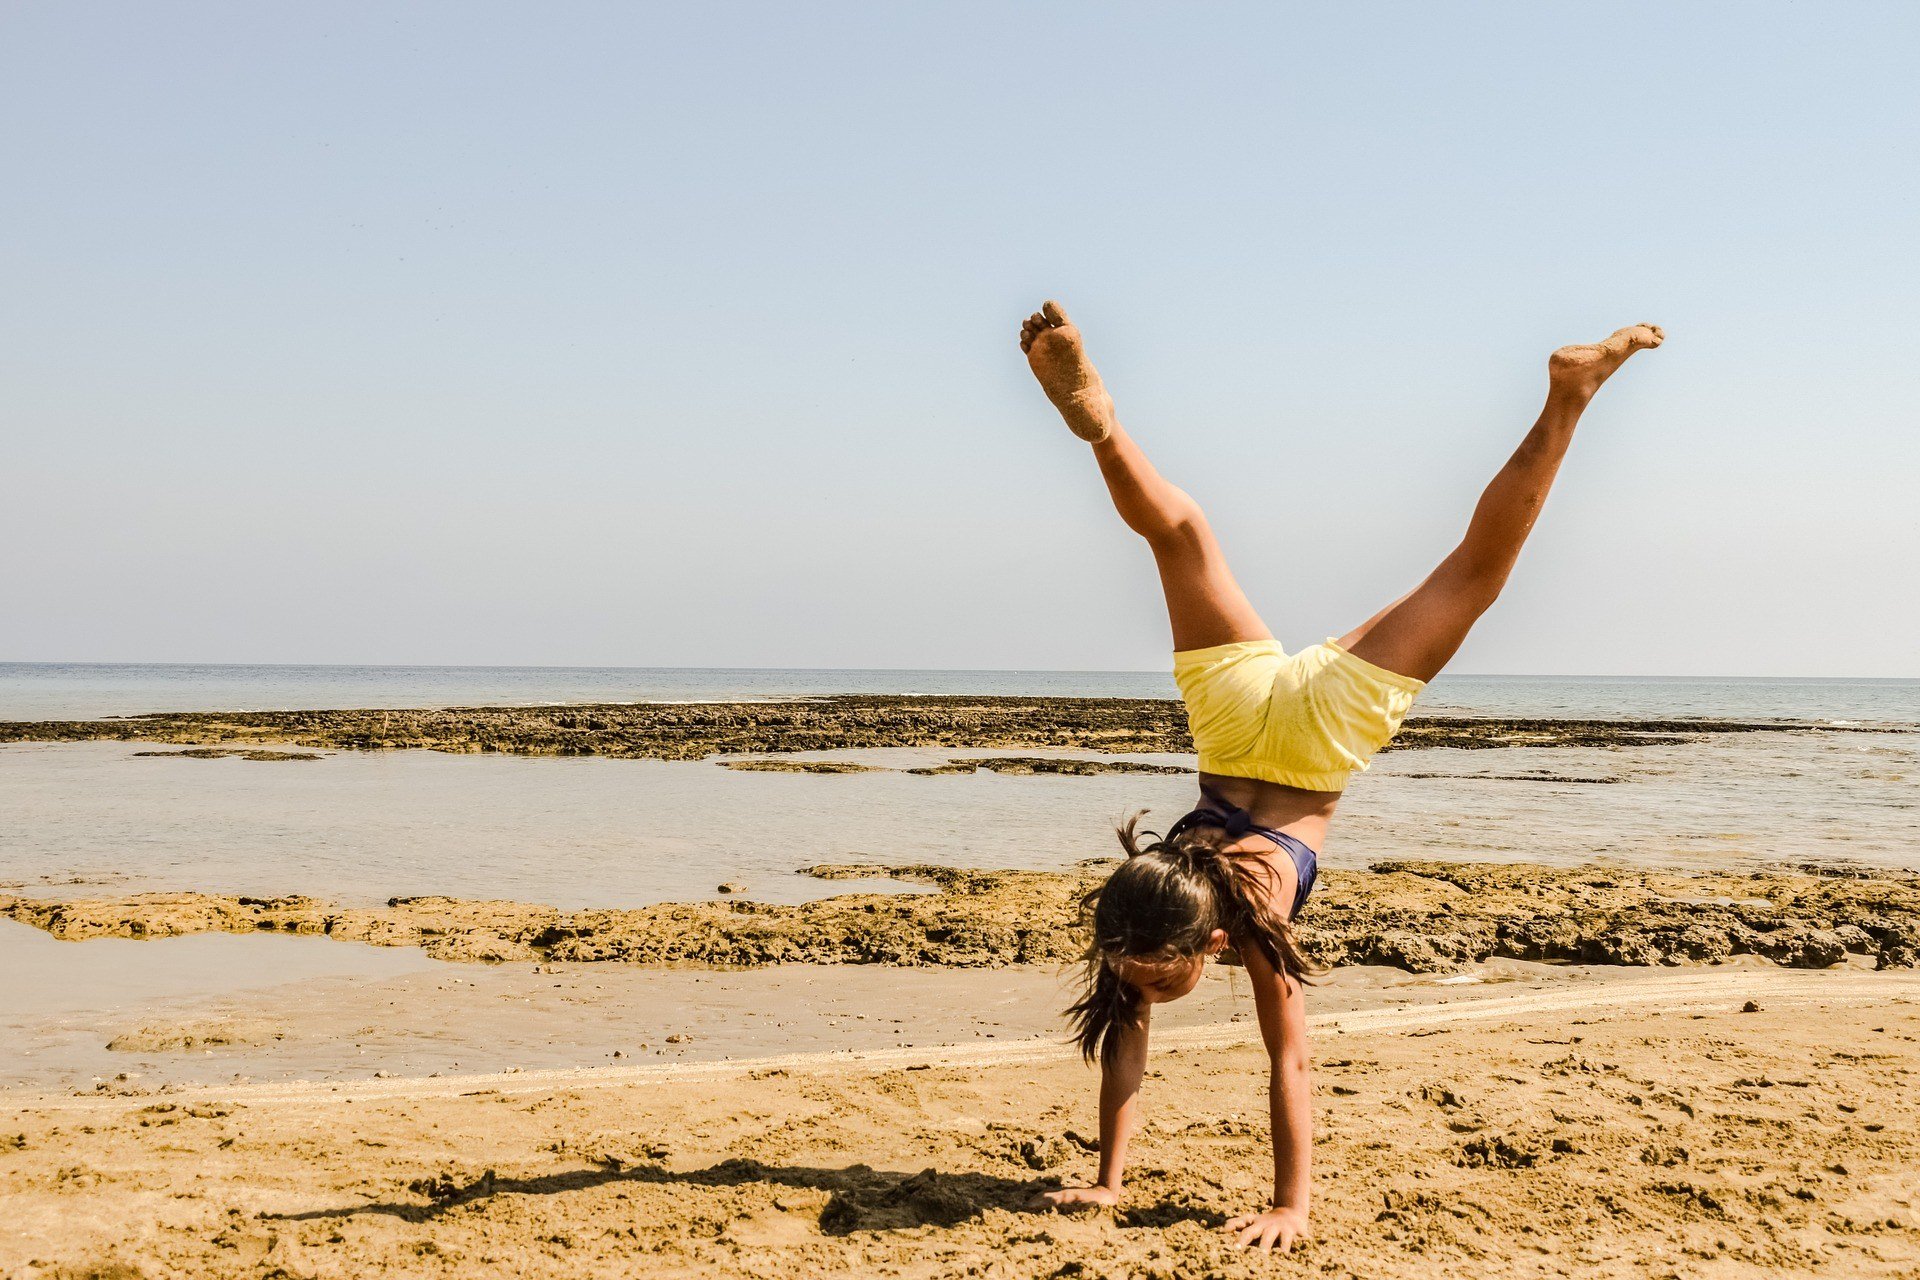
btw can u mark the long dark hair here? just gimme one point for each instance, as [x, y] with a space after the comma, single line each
[1164, 902]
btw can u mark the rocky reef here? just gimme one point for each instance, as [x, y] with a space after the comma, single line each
[693, 731]
[1424, 917]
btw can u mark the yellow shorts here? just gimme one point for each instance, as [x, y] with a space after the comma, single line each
[1304, 721]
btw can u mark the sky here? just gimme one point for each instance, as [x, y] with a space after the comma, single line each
[684, 335]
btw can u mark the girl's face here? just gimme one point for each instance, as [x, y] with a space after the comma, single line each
[1160, 979]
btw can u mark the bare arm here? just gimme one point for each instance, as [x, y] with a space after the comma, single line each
[1120, 1099]
[1119, 1109]
[1282, 1007]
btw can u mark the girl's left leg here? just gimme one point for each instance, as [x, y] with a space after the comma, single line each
[1205, 605]
[1417, 634]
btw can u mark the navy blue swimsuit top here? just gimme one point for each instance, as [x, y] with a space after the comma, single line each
[1236, 821]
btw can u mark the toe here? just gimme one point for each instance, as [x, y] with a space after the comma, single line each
[1055, 314]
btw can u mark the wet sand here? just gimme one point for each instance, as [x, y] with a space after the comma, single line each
[1638, 1129]
[280, 1017]
[153, 1016]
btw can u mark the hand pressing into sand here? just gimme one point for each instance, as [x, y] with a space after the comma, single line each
[1281, 1225]
[1068, 1197]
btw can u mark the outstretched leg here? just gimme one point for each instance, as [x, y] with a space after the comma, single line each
[1418, 633]
[1204, 603]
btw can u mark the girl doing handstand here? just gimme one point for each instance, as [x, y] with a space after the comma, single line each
[1278, 735]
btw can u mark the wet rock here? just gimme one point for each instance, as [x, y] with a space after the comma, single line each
[221, 753]
[1629, 946]
[1410, 951]
[1027, 765]
[799, 766]
[1856, 940]
[692, 731]
[1703, 942]
[1899, 945]
[478, 946]
[1423, 917]
[1801, 947]
[1538, 938]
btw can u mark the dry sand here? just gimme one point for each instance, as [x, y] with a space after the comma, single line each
[1649, 1128]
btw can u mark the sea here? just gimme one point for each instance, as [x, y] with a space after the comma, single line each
[1838, 783]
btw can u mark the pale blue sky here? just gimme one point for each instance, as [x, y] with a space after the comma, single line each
[684, 335]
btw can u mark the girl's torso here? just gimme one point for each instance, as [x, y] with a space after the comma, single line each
[1304, 815]
[1288, 828]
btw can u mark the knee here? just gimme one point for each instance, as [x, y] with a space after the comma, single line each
[1177, 520]
[1178, 532]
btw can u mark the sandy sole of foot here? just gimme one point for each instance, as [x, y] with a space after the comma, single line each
[1652, 1128]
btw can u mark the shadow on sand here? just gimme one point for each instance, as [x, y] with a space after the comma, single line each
[860, 1198]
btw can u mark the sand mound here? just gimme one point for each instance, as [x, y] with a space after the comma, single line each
[195, 1037]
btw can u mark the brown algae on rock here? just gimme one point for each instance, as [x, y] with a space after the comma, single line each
[1421, 916]
[693, 731]
[222, 753]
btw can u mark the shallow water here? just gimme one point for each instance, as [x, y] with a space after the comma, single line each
[64, 1001]
[91, 817]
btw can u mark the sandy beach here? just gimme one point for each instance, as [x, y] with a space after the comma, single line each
[1647, 1049]
[1643, 1129]
[630, 626]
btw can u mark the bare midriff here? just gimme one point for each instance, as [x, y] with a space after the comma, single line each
[1304, 815]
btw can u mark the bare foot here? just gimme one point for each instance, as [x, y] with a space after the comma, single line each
[1580, 370]
[1059, 360]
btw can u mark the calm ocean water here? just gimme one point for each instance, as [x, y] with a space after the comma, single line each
[363, 826]
[65, 691]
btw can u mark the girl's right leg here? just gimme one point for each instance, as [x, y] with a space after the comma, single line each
[1417, 634]
[1204, 603]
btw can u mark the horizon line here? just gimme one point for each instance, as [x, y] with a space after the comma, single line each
[1095, 671]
